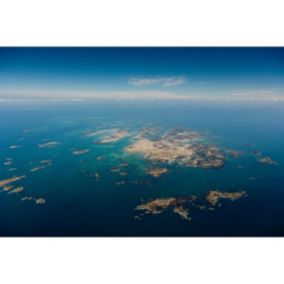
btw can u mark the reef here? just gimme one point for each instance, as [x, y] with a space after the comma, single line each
[46, 162]
[49, 145]
[95, 176]
[147, 132]
[234, 153]
[14, 147]
[37, 168]
[251, 178]
[7, 187]
[157, 172]
[27, 198]
[43, 165]
[214, 196]
[5, 182]
[80, 152]
[100, 158]
[40, 201]
[16, 190]
[266, 160]
[96, 132]
[115, 169]
[116, 136]
[8, 162]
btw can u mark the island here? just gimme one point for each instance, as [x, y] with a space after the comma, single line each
[234, 153]
[40, 201]
[116, 136]
[37, 201]
[181, 147]
[49, 145]
[80, 152]
[5, 182]
[214, 196]
[43, 165]
[178, 205]
[266, 160]
[14, 147]
[181, 205]
[8, 162]
[157, 172]
[16, 190]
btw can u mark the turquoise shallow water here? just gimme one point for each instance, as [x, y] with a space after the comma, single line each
[78, 204]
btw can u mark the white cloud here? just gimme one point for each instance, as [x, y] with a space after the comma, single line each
[258, 95]
[162, 81]
[42, 94]
[272, 94]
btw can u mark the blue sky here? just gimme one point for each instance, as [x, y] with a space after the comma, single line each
[142, 73]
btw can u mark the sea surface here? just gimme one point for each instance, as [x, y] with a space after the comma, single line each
[80, 203]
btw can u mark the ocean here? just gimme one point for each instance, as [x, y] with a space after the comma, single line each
[83, 195]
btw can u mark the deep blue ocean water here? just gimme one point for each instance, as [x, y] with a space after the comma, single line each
[79, 205]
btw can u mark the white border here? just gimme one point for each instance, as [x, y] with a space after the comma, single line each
[135, 260]
[141, 23]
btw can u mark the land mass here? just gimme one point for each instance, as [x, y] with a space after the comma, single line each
[118, 135]
[182, 147]
[10, 180]
[157, 172]
[181, 205]
[214, 196]
[178, 205]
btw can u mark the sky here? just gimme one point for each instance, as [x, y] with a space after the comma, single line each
[78, 74]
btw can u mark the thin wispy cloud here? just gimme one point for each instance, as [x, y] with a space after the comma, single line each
[42, 94]
[170, 81]
[37, 94]
[273, 94]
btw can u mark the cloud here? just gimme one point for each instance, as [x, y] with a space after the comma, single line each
[258, 95]
[272, 94]
[162, 81]
[61, 95]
